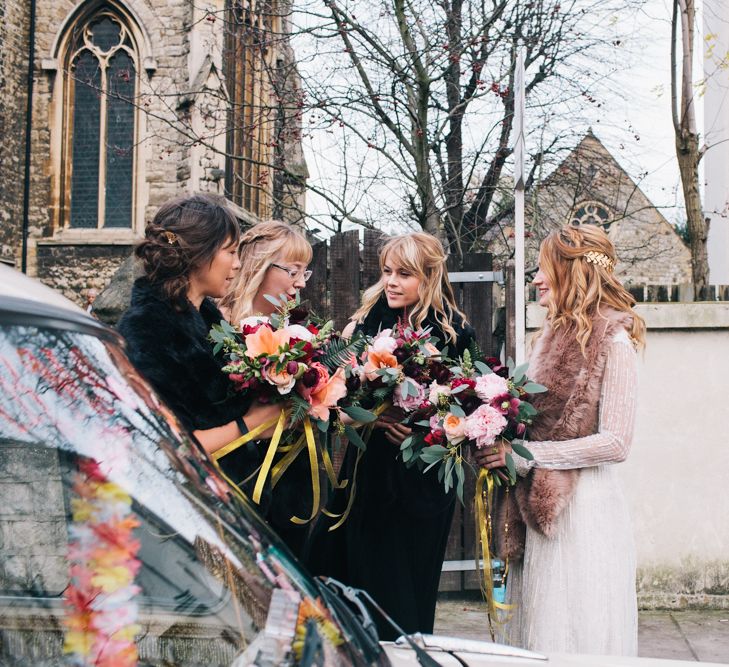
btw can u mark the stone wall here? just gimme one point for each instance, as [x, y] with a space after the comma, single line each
[71, 269]
[33, 534]
[14, 27]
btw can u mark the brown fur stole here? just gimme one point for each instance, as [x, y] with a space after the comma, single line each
[569, 409]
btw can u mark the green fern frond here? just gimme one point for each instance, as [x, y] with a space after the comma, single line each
[339, 351]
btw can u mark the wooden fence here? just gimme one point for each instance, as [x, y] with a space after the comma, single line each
[342, 267]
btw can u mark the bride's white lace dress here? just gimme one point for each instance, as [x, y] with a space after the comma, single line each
[575, 592]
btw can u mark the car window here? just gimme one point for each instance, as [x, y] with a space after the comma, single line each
[118, 536]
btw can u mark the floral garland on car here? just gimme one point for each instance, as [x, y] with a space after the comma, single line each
[101, 613]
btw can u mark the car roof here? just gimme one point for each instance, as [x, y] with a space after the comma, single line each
[26, 301]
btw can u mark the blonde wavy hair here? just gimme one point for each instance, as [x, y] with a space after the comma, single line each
[262, 244]
[578, 263]
[422, 255]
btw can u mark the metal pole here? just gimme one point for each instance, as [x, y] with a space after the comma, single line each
[519, 183]
[28, 139]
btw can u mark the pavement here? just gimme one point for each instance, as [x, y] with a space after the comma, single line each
[697, 636]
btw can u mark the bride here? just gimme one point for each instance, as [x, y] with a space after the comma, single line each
[575, 587]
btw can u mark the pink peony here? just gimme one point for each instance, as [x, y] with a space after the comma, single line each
[484, 425]
[455, 428]
[437, 390]
[490, 386]
[384, 342]
[409, 402]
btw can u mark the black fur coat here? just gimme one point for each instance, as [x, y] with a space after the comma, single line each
[172, 352]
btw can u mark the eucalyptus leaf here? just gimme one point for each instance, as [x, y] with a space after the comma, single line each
[511, 467]
[354, 437]
[522, 451]
[461, 475]
[534, 388]
[360, 414]
[457, 410]
[323, 425]
[459, 389]
[434, 453]
[406, 443]
[520, 372]
[482, 368]
[407, 454]
[528, 409]
[272, 299]
[429, 466]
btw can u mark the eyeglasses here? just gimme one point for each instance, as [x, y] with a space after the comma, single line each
[294, 273]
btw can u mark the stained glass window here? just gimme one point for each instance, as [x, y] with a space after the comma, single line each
[102, 84]
[591, 213]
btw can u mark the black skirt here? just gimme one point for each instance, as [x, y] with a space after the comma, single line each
[393, 543]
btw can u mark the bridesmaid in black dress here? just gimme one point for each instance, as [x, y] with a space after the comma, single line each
[190, 257]
[393, 543]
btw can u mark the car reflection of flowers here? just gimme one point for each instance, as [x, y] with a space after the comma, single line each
[313, 610]
[100, 623]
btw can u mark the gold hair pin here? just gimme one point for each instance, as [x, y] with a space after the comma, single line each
[171, 237]
[599, 258]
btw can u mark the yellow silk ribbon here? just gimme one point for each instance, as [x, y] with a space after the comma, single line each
[483, 502]
[247, 437]
[268, 458]
[343, 517]
[314, 463]
[353, 489]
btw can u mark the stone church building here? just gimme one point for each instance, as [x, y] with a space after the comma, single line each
[589, 186]
[108, 108]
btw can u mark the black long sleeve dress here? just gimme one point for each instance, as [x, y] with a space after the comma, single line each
[393, 543]
[172, 351]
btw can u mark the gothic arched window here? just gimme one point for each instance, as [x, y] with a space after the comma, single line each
[591, 213]
[100, 123]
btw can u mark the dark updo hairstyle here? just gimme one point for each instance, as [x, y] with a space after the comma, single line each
[185, 234]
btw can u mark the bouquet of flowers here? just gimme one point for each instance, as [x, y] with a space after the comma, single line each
[473, 403]
[292, 359]
[288, 357]
[394, 370]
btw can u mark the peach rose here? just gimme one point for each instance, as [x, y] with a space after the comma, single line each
[326, 396]
[377, 360]
[283, 381]
[455, 428]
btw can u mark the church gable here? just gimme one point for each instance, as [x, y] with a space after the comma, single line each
[590, 187]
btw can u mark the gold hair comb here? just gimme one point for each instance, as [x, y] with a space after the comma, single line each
[171, 237]
[599, 258]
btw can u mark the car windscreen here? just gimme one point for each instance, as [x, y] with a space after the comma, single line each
[113, 519]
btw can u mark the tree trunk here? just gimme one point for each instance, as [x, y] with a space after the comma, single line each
[688, 154]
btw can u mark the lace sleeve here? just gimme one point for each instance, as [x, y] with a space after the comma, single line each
[611, 444]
